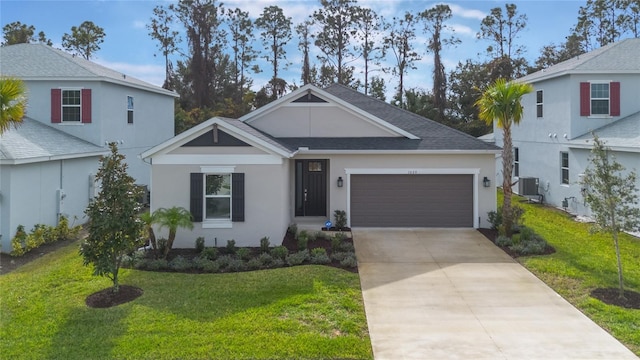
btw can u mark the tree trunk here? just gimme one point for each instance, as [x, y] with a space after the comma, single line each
[507, 167]
[172, 236]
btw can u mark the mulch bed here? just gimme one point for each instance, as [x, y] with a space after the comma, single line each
[107, 298]
[492, 235]
[611, 296]
[9, 263]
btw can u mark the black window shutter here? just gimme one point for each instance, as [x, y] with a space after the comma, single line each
[237, 196]
[196, 196]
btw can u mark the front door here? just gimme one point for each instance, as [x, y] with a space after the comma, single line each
[311, 188]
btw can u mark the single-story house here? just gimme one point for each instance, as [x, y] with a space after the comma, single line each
[314, 151]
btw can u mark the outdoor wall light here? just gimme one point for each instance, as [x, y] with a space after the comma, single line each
[486, 182]
[340, 181]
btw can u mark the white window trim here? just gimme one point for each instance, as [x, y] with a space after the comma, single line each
[568, 168]
[599, 116]
[216, 223]
[540, 103]
[132, 109]
[62, 106]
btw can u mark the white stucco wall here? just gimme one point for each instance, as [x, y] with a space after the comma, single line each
[29, 194]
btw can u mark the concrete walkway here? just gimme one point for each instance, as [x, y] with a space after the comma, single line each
[452, 294]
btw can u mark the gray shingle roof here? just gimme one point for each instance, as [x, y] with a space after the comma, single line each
[623, 134]
[619, 57]
[42, 62]
[33, 140]
[433, 135]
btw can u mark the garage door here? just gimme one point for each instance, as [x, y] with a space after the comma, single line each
[412, 200]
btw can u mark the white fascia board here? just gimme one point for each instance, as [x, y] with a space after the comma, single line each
[613, 148]
[202, 159]
[51, 158]
[149, 88]
[396, 152]
[412, 171]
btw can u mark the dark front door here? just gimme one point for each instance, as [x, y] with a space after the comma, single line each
[311, 187]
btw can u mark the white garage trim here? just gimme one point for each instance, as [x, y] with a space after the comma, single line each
[417, 171]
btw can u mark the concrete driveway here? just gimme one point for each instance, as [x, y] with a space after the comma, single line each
[452, 294]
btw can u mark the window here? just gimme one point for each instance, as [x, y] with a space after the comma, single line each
[129, 109]
[217, 197]
[564, 167]
[71, 105]
[516, 161]
[539, 98]
[600, 99]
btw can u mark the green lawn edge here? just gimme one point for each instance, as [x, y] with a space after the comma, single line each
[582, 262]
[302, 312]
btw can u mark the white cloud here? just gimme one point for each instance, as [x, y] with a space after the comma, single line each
[139, 24]
[458, 10]
[153, 74]
[462, 29]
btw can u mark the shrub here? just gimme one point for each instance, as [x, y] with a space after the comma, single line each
[224, 261]
[335, 242]
[321, 235]
[303, 240]
[179, 263]
[279, 252]
[340, 217]
[346, 246]
[36, 238]
[254, 264]
[132, 259]
[349, 261]
[297, 258]
[504, 241]
[157, 264]
[206, 265]
[19, 242]
[236, 265]
[199, 244]
[243, 253]
[231, 246]
[293, 229]
[209, 253]
[265, 244]
[495, 219]
[49, 234]
[526, 234]
[266, 260]
[64, 232]
[311, 236]
[319, 256]
[340, 255]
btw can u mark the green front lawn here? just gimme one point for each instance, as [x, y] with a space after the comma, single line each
[303, 312]
[583, 262]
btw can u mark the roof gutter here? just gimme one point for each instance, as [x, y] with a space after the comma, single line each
[51, 158]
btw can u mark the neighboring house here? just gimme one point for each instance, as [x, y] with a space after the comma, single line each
[92, 102]
[598, 91]
[312, 152]
[75, 107]
[44, 172]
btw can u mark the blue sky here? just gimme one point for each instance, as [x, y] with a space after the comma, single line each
[128, 47]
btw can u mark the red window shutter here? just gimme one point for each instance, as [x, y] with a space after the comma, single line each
[86, 106]
[614, 109]
[585, 99]
[56, 105]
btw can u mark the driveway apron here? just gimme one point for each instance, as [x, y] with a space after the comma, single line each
[452, 294]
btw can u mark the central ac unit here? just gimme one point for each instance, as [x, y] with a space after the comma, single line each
[528, 186]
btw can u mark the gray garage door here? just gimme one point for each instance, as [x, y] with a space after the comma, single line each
[412, 200]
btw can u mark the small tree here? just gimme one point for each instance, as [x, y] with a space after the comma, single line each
[612, 197]
[114, 229]
[173, 218]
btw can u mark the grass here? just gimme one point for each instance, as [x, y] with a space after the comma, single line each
[304, 312]
[583, 262]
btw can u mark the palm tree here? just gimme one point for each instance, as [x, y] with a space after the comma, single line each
[13, 102]
[149, 219]
[501, 103]
[173, 218]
